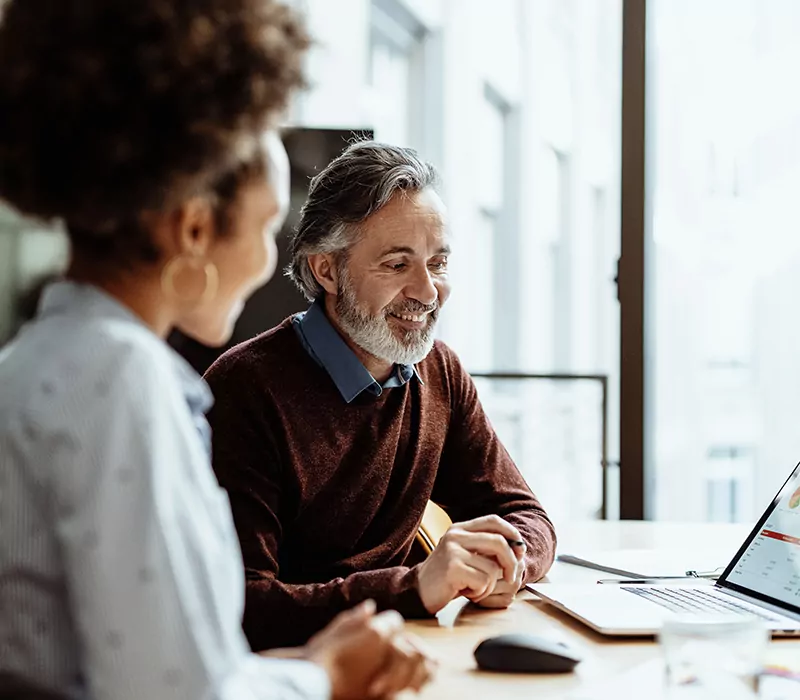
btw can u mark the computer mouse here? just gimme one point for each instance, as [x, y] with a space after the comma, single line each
[525, 653]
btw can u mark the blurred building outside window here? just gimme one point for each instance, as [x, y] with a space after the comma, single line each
[724, 341]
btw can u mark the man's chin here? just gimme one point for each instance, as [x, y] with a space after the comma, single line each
[416, 348]
[410, 338]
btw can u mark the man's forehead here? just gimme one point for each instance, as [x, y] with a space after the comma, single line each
[410, 212]
[403, 237]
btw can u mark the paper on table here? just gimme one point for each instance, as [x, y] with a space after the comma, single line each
[448, 615]
[647, 680]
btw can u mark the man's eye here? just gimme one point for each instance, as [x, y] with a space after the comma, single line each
[441, 265]
[396, 266]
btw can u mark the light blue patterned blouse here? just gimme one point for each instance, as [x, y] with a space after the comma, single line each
[120, 571]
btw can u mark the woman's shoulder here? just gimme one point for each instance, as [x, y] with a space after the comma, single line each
[74, 361]
[118, 351]
[79, 395]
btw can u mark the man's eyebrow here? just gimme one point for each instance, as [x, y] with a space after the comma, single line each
[397, 249]
[405, 250]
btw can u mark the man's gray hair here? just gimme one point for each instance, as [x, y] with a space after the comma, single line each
[350, 189]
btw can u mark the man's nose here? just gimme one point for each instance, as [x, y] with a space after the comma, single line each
[422, 288]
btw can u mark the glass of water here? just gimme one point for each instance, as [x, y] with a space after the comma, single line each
[713, 657]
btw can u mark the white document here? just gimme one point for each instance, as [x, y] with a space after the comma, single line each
[647, 681]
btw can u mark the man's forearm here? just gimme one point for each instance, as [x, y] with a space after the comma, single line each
[284, 614]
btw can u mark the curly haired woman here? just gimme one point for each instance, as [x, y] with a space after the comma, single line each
[148, 127]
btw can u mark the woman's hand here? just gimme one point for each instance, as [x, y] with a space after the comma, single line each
[367, 655]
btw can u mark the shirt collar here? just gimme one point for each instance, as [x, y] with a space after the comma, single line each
[66, 297]
[331, 352]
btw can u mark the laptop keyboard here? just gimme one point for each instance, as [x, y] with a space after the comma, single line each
[696, 600]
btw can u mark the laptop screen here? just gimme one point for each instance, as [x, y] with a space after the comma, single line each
[768, 564]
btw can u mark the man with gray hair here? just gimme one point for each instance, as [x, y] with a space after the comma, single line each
[333, 430]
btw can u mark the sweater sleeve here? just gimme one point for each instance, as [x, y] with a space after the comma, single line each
[248, 465]
[477, 475]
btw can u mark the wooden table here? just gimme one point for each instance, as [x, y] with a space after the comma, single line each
[604, 657]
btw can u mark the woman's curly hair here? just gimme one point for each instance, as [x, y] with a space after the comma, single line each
[112, 108]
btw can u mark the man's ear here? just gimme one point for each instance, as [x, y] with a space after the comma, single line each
[323, 267]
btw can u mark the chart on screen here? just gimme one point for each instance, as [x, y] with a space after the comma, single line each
[771, 564]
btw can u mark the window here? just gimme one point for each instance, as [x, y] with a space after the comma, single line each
[490, 265]
[482, 296]
[554, 218]
[396, 51]
[725, 171]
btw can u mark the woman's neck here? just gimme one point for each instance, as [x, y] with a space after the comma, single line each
[139, 291]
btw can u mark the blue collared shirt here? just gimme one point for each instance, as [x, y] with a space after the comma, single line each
[329, 350]
[121, 575]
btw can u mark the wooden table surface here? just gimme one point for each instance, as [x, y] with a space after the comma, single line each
[604, 657]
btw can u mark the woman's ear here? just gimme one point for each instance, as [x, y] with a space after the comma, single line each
[323, 267]
[194, 227]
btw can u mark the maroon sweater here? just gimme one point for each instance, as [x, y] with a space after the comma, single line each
[328, 496]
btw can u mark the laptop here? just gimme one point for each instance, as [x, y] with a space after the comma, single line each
[762, 579]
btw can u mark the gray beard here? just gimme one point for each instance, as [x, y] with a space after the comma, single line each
[374, 335]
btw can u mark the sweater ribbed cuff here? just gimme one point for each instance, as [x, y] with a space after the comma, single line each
[408, 602]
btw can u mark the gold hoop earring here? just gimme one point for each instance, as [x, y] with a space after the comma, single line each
[182, 262]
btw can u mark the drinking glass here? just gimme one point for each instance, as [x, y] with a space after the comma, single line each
[710, 657]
